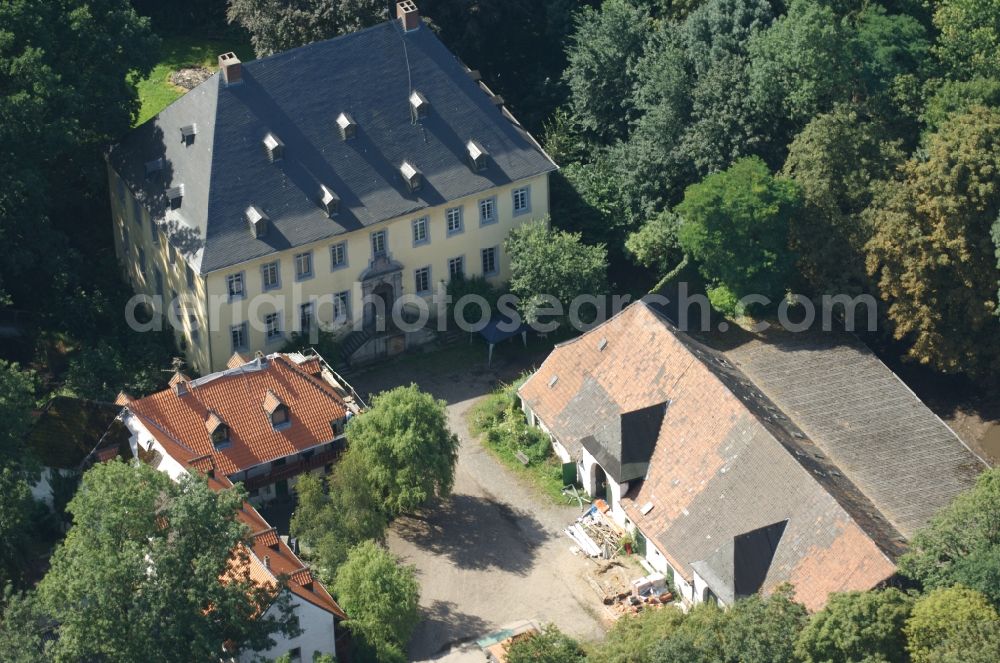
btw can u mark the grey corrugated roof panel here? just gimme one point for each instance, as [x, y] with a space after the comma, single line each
[298, 96]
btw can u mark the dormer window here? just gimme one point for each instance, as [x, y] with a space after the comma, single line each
[175, 195]
[276, 410]
[477, 155]
[337, 426]
[217, 430]
[328, 200]
[273, 148]
[257, 221]
[418, 106]
[348, 127]
[412, 176]
[188, 133]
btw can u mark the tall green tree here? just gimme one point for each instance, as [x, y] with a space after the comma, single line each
[382, 596]
[932, 252]
[138, 577]
[961, 545]
[17, 399]
[969, 37]
[66, 68]
[603, 51]
[856, 625]
[23, 628]
[835, 160]
[335, 514]
[278, 25]
[402, 449]
[554, 263]
[952, 620]
[736, 225]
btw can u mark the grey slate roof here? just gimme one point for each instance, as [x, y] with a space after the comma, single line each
[298, 95]
[869, 423]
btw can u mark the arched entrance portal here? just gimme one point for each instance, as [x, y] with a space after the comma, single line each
[379, 308]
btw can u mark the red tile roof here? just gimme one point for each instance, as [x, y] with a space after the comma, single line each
[717, 470]
[281, 561]
[235, 396]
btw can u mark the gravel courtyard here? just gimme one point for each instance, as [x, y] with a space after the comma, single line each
[494, 552]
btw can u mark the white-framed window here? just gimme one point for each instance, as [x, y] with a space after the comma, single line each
[342, 306]
[136, 212]
[306, 316]
[172, 252]
[154, 231]
[189, 275]
[490, 260]
[270, 275]
[420, 232]
[236, 286]
[422, 280]
[142, 262]
[303, 266]
[338, 256]
[456, 266]
[239, 336]
[125, 243]
[378, 243]
[272, 326]
[453, 218]
[522, 200]
[158, 278]
[487, 211]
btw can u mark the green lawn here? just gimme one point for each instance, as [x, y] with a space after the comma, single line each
[157, 92]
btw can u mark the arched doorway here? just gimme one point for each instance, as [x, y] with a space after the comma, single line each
[379, 308]
[601, 484]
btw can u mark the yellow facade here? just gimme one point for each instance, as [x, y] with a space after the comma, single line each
[206, 325]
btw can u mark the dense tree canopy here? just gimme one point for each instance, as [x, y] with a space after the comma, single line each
[603, 53]
[932, 251]
[855, 625]
[949, 619]
[834, 161]
[736, 224]
[278, 25]
[549, 646]
[961, 545]
[138, 576]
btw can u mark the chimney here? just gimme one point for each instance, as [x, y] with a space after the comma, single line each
[408, 15]
[232, 70]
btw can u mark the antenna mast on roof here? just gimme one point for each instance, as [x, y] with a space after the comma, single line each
[406, 56]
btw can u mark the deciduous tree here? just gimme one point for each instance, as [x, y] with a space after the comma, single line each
[401, 450]
[139, 575]
[834, 161]
[950, 619]
[278, 25]
[603, 51]
[381, 595]
[932, 253]
[736, 225]
[553, 263]
[962, 543]
[854, 625]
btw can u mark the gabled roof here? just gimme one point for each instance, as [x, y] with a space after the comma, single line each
[271, 557]
[297, 96]
[237, 397]
[729, 459]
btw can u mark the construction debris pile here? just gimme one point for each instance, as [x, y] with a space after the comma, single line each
[595, 534]
[611, 580]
